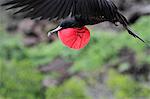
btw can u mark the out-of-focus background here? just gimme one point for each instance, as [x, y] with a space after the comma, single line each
[114, 65]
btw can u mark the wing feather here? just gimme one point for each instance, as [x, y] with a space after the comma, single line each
[57, 9]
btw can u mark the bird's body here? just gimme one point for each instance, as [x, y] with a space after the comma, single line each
[75, 13]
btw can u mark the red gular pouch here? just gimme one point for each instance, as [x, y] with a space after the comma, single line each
[75, 38]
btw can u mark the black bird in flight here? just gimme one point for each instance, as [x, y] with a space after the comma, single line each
[75, 13]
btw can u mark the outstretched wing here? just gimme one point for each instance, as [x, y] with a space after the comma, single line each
[57, 9]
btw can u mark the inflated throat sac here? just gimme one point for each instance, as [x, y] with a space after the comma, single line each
[75, 38]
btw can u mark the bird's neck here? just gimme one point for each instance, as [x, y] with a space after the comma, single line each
[72, 22]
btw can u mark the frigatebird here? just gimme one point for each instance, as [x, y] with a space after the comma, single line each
[75, 15]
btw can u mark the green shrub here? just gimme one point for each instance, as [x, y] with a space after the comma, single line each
[124, 87]
[19, 81]
[71, 89]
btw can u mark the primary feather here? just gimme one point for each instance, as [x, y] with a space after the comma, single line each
[51, 9]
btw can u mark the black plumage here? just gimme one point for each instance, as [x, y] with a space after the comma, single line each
[81, 12]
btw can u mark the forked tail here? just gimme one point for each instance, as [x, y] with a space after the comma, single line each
[124, 22]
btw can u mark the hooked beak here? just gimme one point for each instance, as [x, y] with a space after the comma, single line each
[53, 31]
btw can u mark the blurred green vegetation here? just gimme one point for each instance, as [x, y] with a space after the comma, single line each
[72, 89]
[20, 79]
[125, 88]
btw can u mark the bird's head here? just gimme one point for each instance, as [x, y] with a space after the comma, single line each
[72, 34]
[67, 23]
